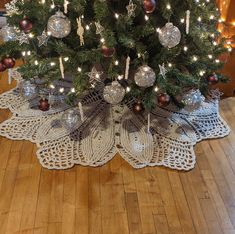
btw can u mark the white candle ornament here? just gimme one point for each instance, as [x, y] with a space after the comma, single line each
[127, 67]
[61, 67]
[81, 111]
[9, 76]
[148, 123]
[187, 21]
[66, 3]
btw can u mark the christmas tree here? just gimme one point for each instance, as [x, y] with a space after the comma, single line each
[143, 49]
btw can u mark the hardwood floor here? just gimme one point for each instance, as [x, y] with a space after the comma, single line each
[116, 198]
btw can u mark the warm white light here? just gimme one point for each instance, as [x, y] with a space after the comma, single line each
[168, 6]
[210, 56]
[66, 59]
[79, 69]
[128, 89]
[146, 18]
[102, 40]
[116, 62]
[230, 49]
[185, 48]
[61, 90]
[36, 62]
[217, 61]
[195, 58]
[169, 64]
[31, 35]
[199, 19]
[52, 86]
[212, 17]
[97, 75]
[202, 73]
[52, 63]
[182, 20]
[87, 27]
[120, 77]
[23, 53]
[156, 89]
[73, 90]
[116, 15]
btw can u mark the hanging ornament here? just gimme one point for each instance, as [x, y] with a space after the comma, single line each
[114, 93]
[61, 67]
[187, 21]
[2, 67]
[131, 9]
[9, 76]
[149, 123]
[8, 33]
[44, 104]
[59, 25]
[163, 99]
[9, 62]
[80, 31]
[138, 107]
[149, 6]
[23, 38]
[43, 39]
[66, 3]
[95, 76]
[11, 8]
[145, 76]
[70, 119]
[27, 89]
[169, 35]
[26, 25]
[99, 28]
[127, 67]
[193, 100]
[81, 111]
[163, 71]
[107, 51]
[212, 79]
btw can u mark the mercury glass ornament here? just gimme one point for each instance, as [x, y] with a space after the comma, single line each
[114, 93]
[59, 25]
[8, 33]
[145, 76]
[70, 119]
[169, 36]
[193, 100]
[27, 89]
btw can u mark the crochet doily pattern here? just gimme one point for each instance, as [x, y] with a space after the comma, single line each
[108, 130]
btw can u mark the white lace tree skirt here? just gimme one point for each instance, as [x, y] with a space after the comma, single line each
[108, 130]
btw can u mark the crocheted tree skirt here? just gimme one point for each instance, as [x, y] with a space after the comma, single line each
[108, 130]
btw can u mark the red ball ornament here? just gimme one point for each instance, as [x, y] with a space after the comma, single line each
[44, 104]
[149, 6]
[212, 79]
[26, 25]
[138, 107]
[107, 51]
[2, 67]
[163, 99]
[9, 62]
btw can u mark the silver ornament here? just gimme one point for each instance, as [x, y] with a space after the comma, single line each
[145, 76]
[169, 36]
[8, 33]
[28, 90]
[70, 119]
[114, 93]
[59, 26]
[193, 100]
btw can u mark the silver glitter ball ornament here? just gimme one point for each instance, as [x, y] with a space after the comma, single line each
[28, 90]
[8, 33]
[59, 25]
[169, 36]
[70, 119]
[192, 100]
[114, 93]
[145, 76]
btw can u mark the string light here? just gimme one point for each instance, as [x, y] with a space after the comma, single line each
[73, 90]
[169, 64]
[52, 64]
[87, 27]
[217, 61]
[102, 40]
[120, 77]
[36, 62]
[210, 56]
[116, 15]
[199, 19]
[156, 89]
[52, 86]
[128, 89]
[195, 58]
[66, 59]
[61, 90]
[79, 69]
[182, 20]
[146, 18]
[168, 6]
[185, 48]
[116, 63]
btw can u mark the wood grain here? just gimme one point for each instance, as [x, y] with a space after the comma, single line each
[115, 198]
